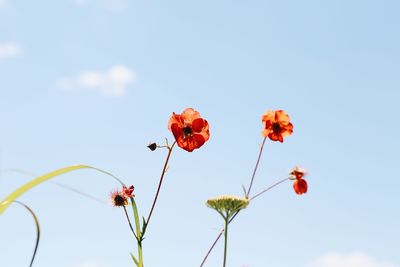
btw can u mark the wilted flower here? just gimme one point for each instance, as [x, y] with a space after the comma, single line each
[300, 185]
[227, 205]
[189, 129]
[118, 199]
[152, 146]
[128, 191]
[276, 125]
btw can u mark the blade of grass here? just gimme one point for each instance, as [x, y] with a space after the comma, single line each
[64, 186]
[37, 229]
[5, 203]
[134, 259]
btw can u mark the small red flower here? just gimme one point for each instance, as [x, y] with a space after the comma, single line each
[118, 199]
[300, 185]
[276, 125]
[128, 191]
[189, 129]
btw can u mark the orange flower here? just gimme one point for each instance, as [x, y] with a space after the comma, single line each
[276, 125]
[189, 129]
[300, 185]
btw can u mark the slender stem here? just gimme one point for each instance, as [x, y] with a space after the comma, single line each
[269, 188]
[160, 183]
[256, 167]
[247, 195]
[139, 237]
[226, 240]
[216, 240]
[37, 229]
[129, 222]
[233, 217]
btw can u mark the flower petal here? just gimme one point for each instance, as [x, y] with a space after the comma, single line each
[300, 186]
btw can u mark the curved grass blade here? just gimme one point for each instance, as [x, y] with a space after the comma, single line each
[26, 187]
[37, 229]
[134, 259]
[64, 186]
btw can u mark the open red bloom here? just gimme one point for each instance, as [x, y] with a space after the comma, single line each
[276, 125]
[128, 191]
[189, 129]
[300, 185]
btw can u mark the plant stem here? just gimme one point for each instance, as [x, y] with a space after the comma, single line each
[269, 188]
[216, 240]
[247, 195]
[226, 240]
[139, 237]
[256, 167]
[160, 183]
[129, 222]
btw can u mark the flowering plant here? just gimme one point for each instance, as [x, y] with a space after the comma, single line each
[191, 132]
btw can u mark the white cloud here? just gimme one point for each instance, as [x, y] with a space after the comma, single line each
[356, 259]
[113, 82]
[10, 49]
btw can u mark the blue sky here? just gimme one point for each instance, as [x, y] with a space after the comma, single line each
[94, 81]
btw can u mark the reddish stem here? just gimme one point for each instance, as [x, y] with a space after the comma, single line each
[256, 167]
[160, 183]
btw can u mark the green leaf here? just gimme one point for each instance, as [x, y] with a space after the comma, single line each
[38, 180]
[134, 259]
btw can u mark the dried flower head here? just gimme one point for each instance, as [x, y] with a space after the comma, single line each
[152, 146]
[276, 125]
[189, 129]
[300, 185]
[118, 199]
[227, 205]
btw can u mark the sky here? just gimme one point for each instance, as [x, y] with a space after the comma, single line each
[95, 81]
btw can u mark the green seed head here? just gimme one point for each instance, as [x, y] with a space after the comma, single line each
[227, 205]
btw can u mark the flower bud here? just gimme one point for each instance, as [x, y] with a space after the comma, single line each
[152, 146]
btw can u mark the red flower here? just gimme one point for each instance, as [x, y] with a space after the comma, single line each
[276, 125]
[300, 185]
[128, 191]
[189, 129]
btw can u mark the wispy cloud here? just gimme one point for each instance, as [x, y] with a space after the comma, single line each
[356, 259]
[10, 49]
[112, 82]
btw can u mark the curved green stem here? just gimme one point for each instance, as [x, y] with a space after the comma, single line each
[129, 222]
[139, 237]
